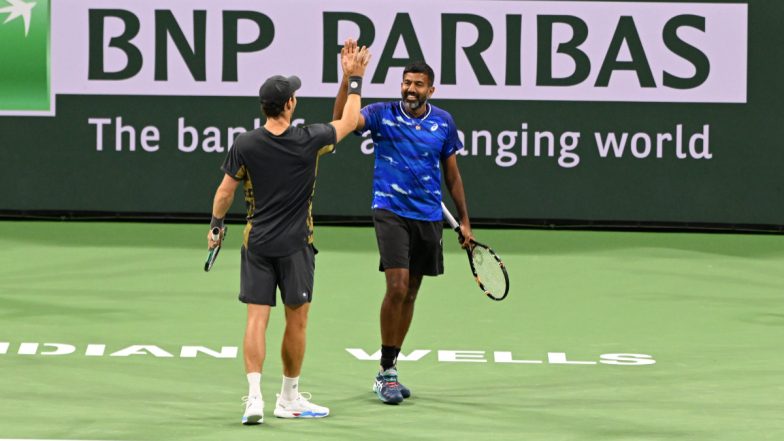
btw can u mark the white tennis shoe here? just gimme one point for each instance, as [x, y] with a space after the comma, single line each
[254, 410]
[299, 408]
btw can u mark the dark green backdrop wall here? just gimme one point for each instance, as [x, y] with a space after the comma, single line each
[51, 163]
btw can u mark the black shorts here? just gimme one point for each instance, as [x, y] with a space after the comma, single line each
[409, 243]
[260, 276]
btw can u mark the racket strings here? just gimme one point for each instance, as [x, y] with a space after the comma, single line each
[488, 271]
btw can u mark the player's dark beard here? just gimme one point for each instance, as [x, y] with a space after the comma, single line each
[412, 106]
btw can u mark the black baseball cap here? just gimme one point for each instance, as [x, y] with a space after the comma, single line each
[278, 89]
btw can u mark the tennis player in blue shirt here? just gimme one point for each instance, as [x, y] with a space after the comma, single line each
[414, 141]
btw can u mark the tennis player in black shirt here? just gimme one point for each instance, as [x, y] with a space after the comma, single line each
[276, 165]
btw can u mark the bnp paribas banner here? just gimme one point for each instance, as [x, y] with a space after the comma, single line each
[569, 110]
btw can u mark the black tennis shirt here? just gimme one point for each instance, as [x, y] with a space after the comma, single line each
[279, 177]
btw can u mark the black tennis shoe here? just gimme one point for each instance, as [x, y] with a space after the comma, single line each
[387, 388]
[406, 392]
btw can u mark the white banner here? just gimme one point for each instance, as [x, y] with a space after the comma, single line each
[598, 51]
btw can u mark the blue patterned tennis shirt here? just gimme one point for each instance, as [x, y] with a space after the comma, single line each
[409, 151]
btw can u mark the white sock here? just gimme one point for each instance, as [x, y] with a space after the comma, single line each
[290, 389]
[254, 384]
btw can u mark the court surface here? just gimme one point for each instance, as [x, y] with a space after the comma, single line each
[106, 328]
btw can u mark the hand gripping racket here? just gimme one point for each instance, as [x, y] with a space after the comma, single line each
[488, 269]
[213, 254]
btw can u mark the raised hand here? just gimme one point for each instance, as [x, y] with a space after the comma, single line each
[357, 61]
[347, 54]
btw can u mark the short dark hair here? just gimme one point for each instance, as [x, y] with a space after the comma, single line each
[420, 67]
[271, 110]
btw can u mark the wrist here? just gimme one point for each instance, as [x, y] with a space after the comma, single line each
[216, 222]
[355, 84]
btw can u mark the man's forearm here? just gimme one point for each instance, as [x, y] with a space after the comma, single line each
[454, 183]
[340, 99]
[351, 109]
[458, 197]
[221, 204]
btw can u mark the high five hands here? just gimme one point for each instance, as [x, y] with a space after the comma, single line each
[354, 59]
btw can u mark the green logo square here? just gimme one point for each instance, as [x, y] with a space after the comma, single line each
[24, 72]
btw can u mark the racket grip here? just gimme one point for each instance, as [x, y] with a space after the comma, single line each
[449, 218]
[215, 233]
[452, 222]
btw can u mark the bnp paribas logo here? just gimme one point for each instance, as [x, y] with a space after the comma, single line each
[24, 50]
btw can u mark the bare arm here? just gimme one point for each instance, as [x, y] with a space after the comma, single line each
[224, 196]
[354, 61]
[454, 183]
[340, 100]
[348, 120]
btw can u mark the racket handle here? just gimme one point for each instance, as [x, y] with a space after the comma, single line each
[452, 222]
[215, 233]
[449, 218]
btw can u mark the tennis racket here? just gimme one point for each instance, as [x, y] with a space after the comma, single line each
[488, 269]
[213, 254]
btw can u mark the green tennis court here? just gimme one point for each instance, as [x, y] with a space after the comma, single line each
[112, 331]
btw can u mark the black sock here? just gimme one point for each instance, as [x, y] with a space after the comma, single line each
[397, 353]
[388, 356]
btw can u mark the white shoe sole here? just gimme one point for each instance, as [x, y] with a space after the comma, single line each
[283, 413]
[252, 419]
